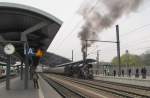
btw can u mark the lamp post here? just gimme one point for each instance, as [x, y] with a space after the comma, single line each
[118, 50]
[72, 56]
[98, 61]
[127, 55]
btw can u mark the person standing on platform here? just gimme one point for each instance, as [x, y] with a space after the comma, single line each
[114, 73]
[129, 72]
[143, 72]
[137, 73]
[122, 73]
[35, 80]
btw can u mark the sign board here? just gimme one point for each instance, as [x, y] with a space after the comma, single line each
[39, 53]
[31, 52]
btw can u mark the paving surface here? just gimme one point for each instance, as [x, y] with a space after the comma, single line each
[126, 80]
[17, 90]
[46, 90]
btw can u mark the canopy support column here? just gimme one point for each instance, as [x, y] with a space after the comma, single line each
[26, 68]
[21, 71]
[8, 73]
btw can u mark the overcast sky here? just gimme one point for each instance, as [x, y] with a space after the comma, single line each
[134, 29]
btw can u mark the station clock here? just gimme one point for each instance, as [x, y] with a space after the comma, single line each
[9, 49]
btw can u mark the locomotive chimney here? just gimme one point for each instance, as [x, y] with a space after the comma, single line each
[84, 57]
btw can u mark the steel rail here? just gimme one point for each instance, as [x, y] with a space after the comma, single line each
[64, 91]
[116, 91]
[123, 84]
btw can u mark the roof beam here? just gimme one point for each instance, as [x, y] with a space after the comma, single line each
[2, 38]
[32, 29]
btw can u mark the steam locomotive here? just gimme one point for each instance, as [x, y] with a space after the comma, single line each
[79, 69]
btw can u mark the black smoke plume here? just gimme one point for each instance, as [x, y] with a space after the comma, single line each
[101, 14]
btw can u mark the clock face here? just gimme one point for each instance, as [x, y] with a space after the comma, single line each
[9, 49]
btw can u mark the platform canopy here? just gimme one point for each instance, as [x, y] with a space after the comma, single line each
[24, 23]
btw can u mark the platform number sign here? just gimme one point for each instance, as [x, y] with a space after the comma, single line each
[32, 52]
[29, 52]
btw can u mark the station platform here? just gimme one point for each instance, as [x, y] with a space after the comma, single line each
[17, 90]
[126, 80]
[46, 91]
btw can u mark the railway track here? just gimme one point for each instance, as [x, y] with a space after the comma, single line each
[127, 91]
[2, 79]
[125, 85]
[119, 90]
[64, 91]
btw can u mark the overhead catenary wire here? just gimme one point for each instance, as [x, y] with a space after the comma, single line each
[140, 46]
[133, 31]
[122, 35]
[68, 36]
[138, 43]
[141, 27]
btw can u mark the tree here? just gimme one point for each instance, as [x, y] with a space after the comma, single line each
[128, 60]
[145, 59]
[114, 61]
